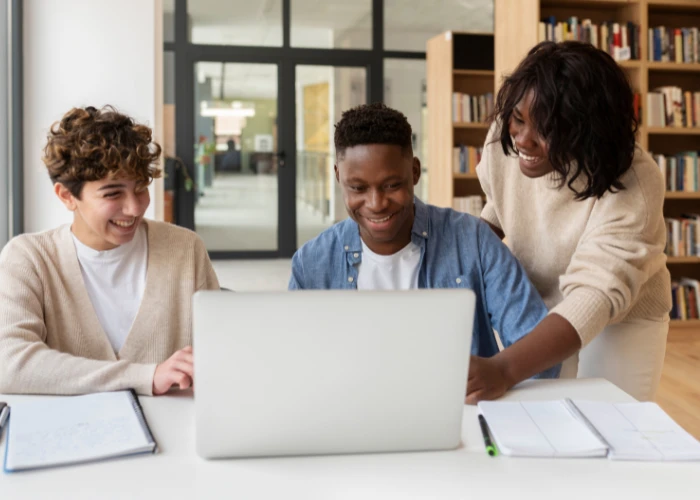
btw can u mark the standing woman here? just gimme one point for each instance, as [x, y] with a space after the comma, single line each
[581, 207]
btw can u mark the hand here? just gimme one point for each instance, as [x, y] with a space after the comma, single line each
[487, 380]
[178, 370]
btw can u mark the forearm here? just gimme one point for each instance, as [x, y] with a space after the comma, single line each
[552, 341]
[34, 368]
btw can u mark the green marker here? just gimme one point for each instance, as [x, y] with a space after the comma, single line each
[490, 448]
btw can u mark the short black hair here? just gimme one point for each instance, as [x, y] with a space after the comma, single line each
[583, 107]
[372, 124]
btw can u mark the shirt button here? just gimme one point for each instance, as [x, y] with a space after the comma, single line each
[459, 280]
[425, 233]
[356, 255]
[351, 279]
[347, 248]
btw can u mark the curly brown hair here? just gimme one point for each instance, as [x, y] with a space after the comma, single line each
[90, 144]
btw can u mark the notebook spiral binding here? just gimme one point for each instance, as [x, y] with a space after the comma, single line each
[142, 419]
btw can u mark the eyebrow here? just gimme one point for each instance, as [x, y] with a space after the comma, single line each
[112, 186]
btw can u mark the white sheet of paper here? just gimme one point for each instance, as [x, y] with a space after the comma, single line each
[73, 429]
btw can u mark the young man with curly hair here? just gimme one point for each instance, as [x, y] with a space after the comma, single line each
[104, 303]
[393, 241]
[582, 207]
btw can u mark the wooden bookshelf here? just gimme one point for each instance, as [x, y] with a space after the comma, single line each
[516, 31]
[447, 74]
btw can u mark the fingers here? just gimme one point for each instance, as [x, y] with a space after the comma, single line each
[184, 367]
[474, 397]
[181, 379]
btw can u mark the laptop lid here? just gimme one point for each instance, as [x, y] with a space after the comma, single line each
[320, 372]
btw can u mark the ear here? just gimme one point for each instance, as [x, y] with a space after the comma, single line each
[416, 170]
[337, 174]
[65, 196]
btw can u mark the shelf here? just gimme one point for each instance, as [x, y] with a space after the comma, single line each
[673, 67]
[607, 4]
[685, 323]
[472, 72]
[465, 176]
[632, 64]
[682, 195]
[683, 260]
[673, 5]
[482, 126]
[673, 131]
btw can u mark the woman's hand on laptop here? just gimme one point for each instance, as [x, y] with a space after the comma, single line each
[178, 370]
[487, 380]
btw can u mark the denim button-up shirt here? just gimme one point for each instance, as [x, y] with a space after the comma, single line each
[457, 251]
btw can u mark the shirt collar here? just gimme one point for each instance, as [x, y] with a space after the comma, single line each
[350, 234]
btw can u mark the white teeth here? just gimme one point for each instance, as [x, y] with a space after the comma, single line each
[377, 221]
[122, 223]
[529, 158]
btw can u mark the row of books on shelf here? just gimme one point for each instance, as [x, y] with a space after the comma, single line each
[672, 107]
[469, 204]
[468, 108]
[685, 295]
[680, 171]
[620, 40]
[680, 45]
[683, 236]
[465, 159]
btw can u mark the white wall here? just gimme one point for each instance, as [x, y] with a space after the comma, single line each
[80, 53]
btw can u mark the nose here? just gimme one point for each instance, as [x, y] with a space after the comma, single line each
[377, 201]
[526, 138]
[132, 205]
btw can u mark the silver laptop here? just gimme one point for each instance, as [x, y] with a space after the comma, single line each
[324, 372]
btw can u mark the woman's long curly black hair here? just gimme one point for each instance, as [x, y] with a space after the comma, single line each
[583, 107]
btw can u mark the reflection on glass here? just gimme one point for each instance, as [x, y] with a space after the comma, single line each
[236, 22]
[235, 167]
[408, 24]
[331, 24]
[168, 20]
[322, 94]
[405, 91]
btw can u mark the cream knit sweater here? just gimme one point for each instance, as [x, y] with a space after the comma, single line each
[596, 261]
[51, 341]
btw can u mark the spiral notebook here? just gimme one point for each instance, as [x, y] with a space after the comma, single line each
[566, 428]
[76, 429]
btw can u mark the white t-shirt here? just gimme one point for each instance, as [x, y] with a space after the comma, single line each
[115, 281]
[398, 271]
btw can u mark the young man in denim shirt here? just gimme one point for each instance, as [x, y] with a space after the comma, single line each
[394, 241]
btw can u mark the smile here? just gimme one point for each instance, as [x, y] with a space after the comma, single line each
[379, 221]
[123, 223]
[529, 159]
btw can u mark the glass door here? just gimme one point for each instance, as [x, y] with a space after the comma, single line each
[236, 186]
[322, 94]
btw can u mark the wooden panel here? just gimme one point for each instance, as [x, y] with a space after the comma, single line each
[673, 67]
[440, 141]
[169, 130]
[679, 390]
[516, 33]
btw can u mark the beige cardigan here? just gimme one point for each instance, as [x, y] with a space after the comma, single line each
[51, 341]
[596, 261]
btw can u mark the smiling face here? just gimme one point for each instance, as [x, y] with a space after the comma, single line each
[108, 211]
[377, 181]
[532, 148]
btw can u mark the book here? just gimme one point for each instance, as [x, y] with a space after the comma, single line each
[566, 428]
[76, 429]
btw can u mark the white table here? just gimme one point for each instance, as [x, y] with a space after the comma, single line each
[468, 472]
